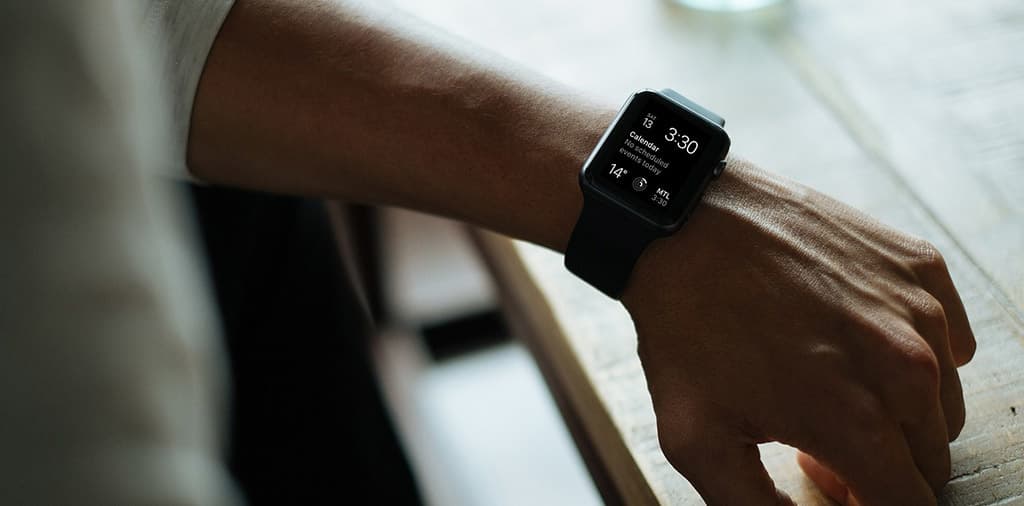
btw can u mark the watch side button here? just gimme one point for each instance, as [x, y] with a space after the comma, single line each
[718, 169]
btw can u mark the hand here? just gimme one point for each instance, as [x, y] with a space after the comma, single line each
[780, 314]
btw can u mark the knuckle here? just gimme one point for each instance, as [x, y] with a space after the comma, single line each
[866, 417]
[920, 368]
[928, 257]
[929, 309]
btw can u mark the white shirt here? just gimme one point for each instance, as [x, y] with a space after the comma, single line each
[185, 30]
[111, 374]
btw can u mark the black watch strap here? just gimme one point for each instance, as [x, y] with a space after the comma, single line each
[607, 239]
[605, 244]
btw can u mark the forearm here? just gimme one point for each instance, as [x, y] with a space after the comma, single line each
[357, 103]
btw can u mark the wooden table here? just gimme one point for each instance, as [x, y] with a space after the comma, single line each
[911, 111]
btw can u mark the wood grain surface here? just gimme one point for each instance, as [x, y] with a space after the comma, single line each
[910, 111]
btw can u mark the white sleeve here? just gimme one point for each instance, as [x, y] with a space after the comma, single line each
[183, 31]
[111, 375]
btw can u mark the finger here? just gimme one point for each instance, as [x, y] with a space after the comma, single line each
[823, 477]
[953, 403]
[935, 278]
[931, 322]
[961, 336]
[928, 377]
[869, 453]
[725, 472]
[929, 444]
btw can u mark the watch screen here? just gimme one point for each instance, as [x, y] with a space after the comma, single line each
[656, 156]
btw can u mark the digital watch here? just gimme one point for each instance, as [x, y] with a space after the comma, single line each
[641, 182]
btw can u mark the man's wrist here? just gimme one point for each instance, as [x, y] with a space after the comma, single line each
[555, 226]
[682, 252]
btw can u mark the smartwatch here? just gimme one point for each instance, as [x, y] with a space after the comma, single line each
[641, 182]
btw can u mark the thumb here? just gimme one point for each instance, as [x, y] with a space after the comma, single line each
[824, 478]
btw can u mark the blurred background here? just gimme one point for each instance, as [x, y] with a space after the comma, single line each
[470, 405]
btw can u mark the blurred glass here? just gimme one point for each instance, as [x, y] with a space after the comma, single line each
[728, 5]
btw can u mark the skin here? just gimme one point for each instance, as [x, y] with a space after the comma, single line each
[792, 318]
[818, 327]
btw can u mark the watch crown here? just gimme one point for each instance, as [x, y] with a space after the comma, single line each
[718, 169]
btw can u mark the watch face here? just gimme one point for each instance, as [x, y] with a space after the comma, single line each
[657, 158]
